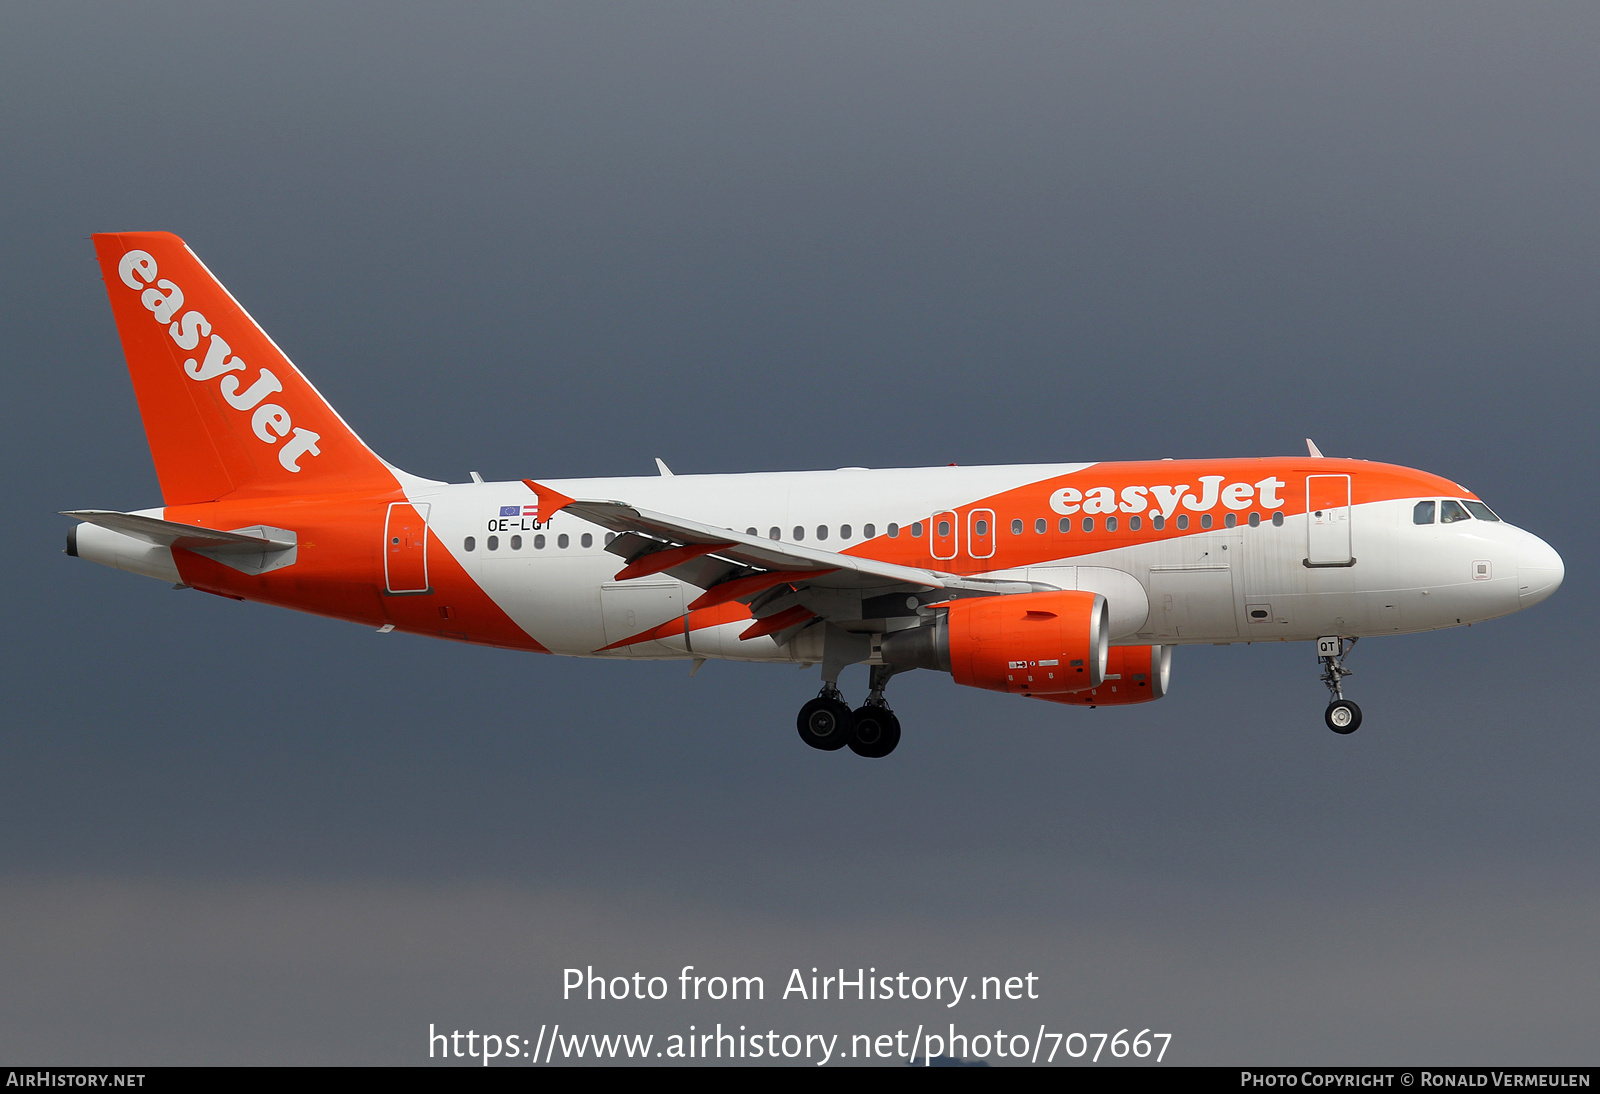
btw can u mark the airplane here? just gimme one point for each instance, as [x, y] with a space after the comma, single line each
[1069, 583]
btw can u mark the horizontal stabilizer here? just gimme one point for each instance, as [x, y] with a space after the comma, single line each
[167, 533]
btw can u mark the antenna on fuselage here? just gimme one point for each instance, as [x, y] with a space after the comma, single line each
[1311, 447]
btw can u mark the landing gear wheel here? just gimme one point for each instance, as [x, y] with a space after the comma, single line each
[1343, 716]
[876, 732]
[825, 723]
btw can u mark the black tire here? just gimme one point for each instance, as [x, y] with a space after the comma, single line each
[1343, 716]
[825, 723]
[876, 732]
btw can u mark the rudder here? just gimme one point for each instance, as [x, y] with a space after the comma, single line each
[224, 409]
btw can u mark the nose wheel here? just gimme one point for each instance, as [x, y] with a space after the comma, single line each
[1342, 715]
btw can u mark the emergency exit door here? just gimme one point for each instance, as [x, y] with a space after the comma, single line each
[405, 548]
[980, 533]
[946, 532]
[1328, 520]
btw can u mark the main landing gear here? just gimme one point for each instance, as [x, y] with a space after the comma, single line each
[871, 730]
[1342, 715]
[826, 722]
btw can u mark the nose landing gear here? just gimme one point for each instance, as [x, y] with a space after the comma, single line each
[871, 730]
[1342, 715]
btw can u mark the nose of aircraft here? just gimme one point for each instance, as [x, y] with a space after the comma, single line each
[1539, 570]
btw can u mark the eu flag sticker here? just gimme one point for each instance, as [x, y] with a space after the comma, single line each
[511, 510]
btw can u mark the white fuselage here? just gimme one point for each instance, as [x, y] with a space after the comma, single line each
[1219, 585]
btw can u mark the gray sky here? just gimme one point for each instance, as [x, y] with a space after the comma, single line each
[567, 239]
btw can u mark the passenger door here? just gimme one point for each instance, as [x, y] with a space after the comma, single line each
[1328, 520]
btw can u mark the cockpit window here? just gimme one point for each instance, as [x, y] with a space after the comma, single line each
[1422, 513]
[1480, 510]
[1452, 511]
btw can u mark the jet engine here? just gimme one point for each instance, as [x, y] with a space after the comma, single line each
[1045, 643]
[1134, 674]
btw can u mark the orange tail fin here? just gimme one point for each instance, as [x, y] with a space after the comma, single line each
[226, 413]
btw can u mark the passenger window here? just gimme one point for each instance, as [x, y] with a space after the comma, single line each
[822, 531]
[612, 535]
[1039, 526]
[562, 540]
[1230, 520]
[747, 531]
[799, 533]
[916, 530]
[1255, 520]
[1016, 527]
[493, 543]
[1422, 513]
[944, 528]
[516, 543]
[775, 534]
[1158, 522]
[1452, 511]
[1065, 525]
[981, 527]
[1480, 510]
[470, 543]
[587, 540]
[894, 531]
[538, 543]
[1277, 519]
[1205, 520]
[1111, 524]
[844, 531]
[869, 531]
[1183, 520]
[1134, 524]
[1088, 524]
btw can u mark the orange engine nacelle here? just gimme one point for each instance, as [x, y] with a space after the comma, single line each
[1134, 674]
[1029, 643]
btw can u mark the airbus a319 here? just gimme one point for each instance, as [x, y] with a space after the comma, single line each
[1070, 582]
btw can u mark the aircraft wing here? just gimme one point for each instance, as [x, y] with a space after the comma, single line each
[787, 586]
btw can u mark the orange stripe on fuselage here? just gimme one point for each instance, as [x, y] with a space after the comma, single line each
[1370, 482]
[338, 570]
